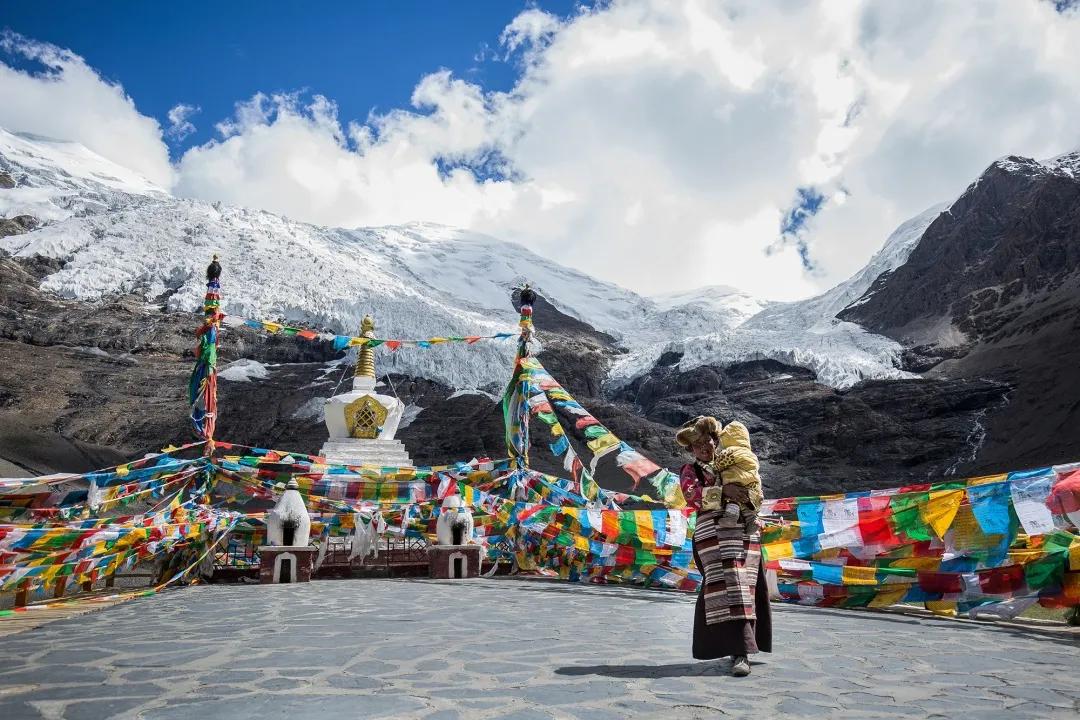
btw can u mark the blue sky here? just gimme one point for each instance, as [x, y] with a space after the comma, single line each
[363, 55]
[776, 143]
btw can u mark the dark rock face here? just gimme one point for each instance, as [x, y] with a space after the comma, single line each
[86, 386]
[993, 291]
[17, 225]
[810, 437]
[1012, 237]
[122, 324]
[7, 182]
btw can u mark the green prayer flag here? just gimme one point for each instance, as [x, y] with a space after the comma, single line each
[1044, 573]
[594, 431]
[906, 517]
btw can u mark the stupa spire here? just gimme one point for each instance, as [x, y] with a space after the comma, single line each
[365, 359]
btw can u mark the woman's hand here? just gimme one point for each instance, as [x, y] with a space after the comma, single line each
[738, 494]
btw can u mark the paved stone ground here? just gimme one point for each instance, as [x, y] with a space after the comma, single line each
[508, 648]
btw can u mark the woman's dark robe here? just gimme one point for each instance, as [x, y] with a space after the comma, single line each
[735, 636]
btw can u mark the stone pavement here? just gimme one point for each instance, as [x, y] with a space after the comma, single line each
[506, 648]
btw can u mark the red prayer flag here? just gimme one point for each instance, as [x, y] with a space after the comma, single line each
[1002, 580]
[1065, 495]
[940, 582]
[874, 522]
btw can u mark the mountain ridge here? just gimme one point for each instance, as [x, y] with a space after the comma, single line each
[418, 280]
[832, 404]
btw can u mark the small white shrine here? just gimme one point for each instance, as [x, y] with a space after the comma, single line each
[287, 557]
[455, 554]
[362, 423]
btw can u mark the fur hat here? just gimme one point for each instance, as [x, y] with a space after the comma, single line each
[696, 429]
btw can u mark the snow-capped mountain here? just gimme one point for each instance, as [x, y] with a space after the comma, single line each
[121, 234]
[720, 305]
[55, 179]
[804, 333]
[999, 265]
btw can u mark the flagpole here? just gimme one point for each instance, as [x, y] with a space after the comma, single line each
[202, 387]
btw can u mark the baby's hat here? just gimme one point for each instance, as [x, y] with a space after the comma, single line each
[735, 434]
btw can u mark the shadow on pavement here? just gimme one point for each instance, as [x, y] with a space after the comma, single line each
[696, 669]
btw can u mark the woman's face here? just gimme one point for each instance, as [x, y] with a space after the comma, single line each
[704, 449]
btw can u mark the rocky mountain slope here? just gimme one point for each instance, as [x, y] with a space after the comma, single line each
[993, 290]
[100, 279]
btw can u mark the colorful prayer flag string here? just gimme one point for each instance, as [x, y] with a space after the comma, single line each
[343, 342]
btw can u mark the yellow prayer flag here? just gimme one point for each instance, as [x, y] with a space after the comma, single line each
[987, 479]
[1074, 555]
[602, 443]
[674, 497]
[940, 511]
[885, 598]
[945, 608]
[646, 532]
[123, 470]
[778, 551]
[917, 563]
[968, 534]
[855, 575]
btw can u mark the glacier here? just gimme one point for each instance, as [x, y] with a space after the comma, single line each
[120, 233]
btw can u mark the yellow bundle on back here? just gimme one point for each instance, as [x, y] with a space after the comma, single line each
[737, 463]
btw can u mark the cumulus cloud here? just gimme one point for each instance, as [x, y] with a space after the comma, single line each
[658, 143]
[180, 126]
[68, 100]
[533, 28]
[666, 144]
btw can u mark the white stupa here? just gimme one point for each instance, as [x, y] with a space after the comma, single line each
[361, 422]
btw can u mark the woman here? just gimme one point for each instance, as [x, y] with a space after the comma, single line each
[732, 612]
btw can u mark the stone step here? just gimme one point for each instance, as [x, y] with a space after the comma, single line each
[371, 462]
[340, 452]
[377, 444]
[353, 457]
[403, 456]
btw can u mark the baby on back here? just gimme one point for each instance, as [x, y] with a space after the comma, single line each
[736, 464]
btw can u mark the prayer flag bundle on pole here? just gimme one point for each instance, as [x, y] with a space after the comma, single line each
[202, 387]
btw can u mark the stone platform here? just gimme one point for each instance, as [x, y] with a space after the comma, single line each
[520, 649]
[384, 453]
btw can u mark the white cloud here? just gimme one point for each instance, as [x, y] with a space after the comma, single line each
[180, 126]
[68, 100]
[661, 143]
[532, 27]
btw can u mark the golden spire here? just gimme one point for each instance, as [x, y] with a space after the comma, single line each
[365, 360]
